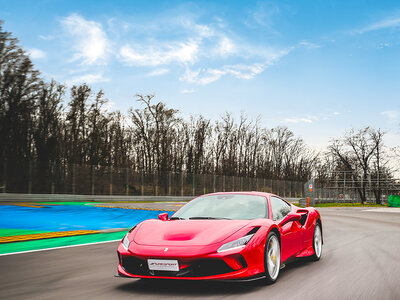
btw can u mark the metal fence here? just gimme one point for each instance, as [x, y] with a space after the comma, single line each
[93, 180]
[342, 187]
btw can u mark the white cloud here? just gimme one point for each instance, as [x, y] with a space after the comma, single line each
[89, 40]
[263, 16]
[384, 24]
[187, 91]
[308, 45]
[298, 120]
[47, 37]
[391, 114]
[336, 113]
[157, 72]
[36, 53]
[204, 77]
[241, 71]
[183, 52]
[226, 46]
[87, 78]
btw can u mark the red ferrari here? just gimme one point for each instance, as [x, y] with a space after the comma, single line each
[222, 236]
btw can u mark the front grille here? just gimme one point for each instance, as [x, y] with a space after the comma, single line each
[199, 268]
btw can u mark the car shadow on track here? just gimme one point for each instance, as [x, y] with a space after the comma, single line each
[169, 287]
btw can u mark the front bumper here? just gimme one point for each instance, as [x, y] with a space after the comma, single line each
[204, 263]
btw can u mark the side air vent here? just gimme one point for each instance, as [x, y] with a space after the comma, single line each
[254, 230]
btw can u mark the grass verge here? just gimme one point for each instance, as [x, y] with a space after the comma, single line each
[60, 242]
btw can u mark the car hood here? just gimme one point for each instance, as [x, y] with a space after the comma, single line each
[186, 232]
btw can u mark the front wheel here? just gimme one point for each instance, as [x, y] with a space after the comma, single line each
[317, 242]
[272, 261]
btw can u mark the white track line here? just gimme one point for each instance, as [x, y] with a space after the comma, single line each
[55, 248]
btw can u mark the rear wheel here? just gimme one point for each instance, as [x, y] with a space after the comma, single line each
[272, 259]
[317, 242]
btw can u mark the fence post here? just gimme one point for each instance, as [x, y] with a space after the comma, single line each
[193, 184]
[284, 188]
[344, 187]
[182, 183]
[142, 182]
[223, 183]
[73, 179]
[92, 179]
[214, 183]
[156, 181]
[52, 178]
[204, 183]
[233, 183]
[111, 180]
[127, 181]
[30, 177]
[5, 177]
[169, 183]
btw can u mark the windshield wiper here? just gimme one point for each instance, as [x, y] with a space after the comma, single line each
[177, 218]
[208, 218]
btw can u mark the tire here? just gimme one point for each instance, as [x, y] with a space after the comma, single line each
[317, 242]
[272, 258]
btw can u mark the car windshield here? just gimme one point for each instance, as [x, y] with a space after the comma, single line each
[225, 206]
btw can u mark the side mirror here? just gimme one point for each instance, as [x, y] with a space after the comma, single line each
[290, 217]
[163, 216]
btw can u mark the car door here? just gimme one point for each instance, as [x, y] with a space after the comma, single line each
[290, 232]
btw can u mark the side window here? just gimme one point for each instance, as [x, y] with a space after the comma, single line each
[279, 208]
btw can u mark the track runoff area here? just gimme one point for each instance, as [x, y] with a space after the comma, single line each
[68, 251]
[27, 227]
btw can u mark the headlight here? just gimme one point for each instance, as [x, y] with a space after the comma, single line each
[125, 241]
[236, 243]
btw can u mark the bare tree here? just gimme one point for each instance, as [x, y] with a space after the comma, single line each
[360, 152]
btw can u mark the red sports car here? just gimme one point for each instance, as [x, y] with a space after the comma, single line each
[229, 236]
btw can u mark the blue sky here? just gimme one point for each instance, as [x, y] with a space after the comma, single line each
[317, 67]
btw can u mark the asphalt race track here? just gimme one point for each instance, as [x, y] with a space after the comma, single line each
[360, 260]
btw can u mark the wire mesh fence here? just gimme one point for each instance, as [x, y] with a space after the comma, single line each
[343, 187]
[100, 180]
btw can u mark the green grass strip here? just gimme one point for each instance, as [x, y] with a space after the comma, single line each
[60, 242]
[10, 232]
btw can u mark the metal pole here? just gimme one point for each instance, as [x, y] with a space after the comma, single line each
[73, 179]
[5, 177]
[92, 179]
[169, 183]
[214, 183]
[52, 178]
[156, 182]
[204, 183]
[284, 188]
[182, 183]
[127, 181]
[142, 182]
[193, 185]
[111, 180]
[30, 178]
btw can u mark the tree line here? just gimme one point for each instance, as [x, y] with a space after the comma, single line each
[53, 127]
